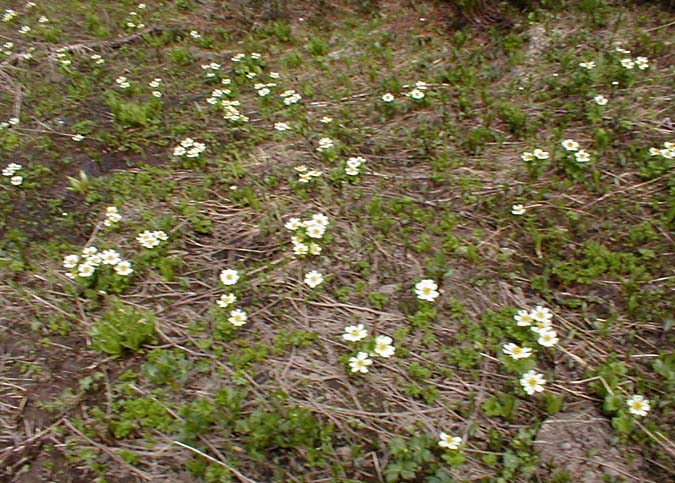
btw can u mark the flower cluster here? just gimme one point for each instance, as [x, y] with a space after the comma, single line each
[417, 93]
[211, 70]
[90, 260]
[538, 154]
[189, 148]
[264, 89]
[122, 82]
[7, 48]
[12, 121]
[667, 151]
[8, 15]
[10, 171]
[216, 96]
[539, 320]
[290, 97]
[305, 175]
[231, 111]
[353, 164]
[580, 155]
[134, 19]
[229, 278]
[313, 228]
[112, 216]
[325, 144]
[64, 60]
[641, 63]
[382, 346]
[151, 239]
[155, 84]
[427, 290]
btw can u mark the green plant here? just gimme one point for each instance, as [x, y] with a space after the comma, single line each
[122, 328]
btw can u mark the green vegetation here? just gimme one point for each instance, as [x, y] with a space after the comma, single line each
[336, 241]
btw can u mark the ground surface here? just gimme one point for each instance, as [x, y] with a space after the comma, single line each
[139, 375]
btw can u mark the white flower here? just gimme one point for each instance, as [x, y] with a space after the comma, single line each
[532, 382]
[517, 352]
[388, 98]
[600, 100]
[43, 19]
[627, 63]
[148, 239]
[570, 145]
[383, 346]
[426, 290]
[351, 171]
[281, 126]
[70, 261]
[123, 268]
[94, 260]
[226, 300]
[360, 363]
[264, 92]
[110, 257]
[77, 137]
[229, 276]
[320, 219]
[157, 94]
[523, 318]
[256, 56]
[89, 252]
[314, 229]
[642, 63]
[638, 405]
[541, 314]
[448, 441]
[540, 154]
[587, 65]
[582, 156]
[179, 151]
[314, 249]
[300, 249]
[355, 333]
[527, 156]
[275, 75]
[293, 224]
[25, 29]
[517, 210]
[325, 144]
[237, 317]
[326, 120]
[13, 121]
[16, 180]
[85, 270]
[416, 94]
[11, 169]
[547, 337]
[195, 35]
[355, 162]
[540, 325]
[313, 279]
